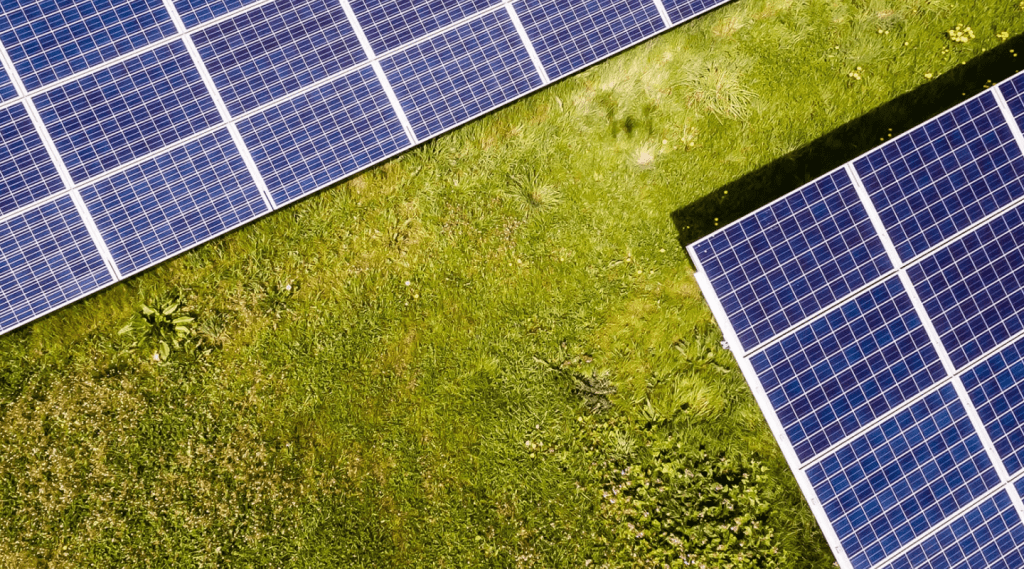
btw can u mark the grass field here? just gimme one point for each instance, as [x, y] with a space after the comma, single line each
[472, 354]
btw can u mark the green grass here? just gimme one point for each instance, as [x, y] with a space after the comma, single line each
[487, 289]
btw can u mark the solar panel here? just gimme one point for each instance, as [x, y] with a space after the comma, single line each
[127, 110]
[848, 367]
[390, 24]
[570, 35]
[273, 50]
[944, 176]
[46, 260]
[50, 40]
[793, 258]
[463, 73]
[886, 348]
[167, 122]
[973, 288]
[903, 477]
[164, 205]
[307, 142]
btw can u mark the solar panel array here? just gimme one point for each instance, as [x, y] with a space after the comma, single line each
[877, 314]
[132, 130]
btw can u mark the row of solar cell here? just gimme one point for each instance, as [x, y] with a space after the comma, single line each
[136, 107]
[48, 42]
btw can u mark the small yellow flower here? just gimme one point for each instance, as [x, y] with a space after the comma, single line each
[928, 75]
[960, 34]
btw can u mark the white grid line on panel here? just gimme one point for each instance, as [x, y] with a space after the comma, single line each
[1018, 504]
[529, 44]
[979, 427]
[375, 63]
[58, 162]
[94, 232]
[926, 321]
[393, 99]
[250, 164]
[136, 53]
[1014, 127]
[175, 17]
[222, 108]
[360, 34]
[774, 424]
[663, 13]
[876, 221]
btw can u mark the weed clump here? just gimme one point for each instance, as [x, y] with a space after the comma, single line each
[672, 504]
[163, 326]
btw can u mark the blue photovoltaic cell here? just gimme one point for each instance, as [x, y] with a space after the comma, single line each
[461, 74]
[389, 24]
[195, 12]
[46, 260]
[682, 10]
[7, 90]
[989, 536]
[568, 36]
[50, 39]
[833, 376]
[271, 51]
[903, 477]
[943, 176]
[996, 387]
[165, 205]
[973, 289]
[26, 172]
[320, 137]
[786, 262]
[126, 111]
